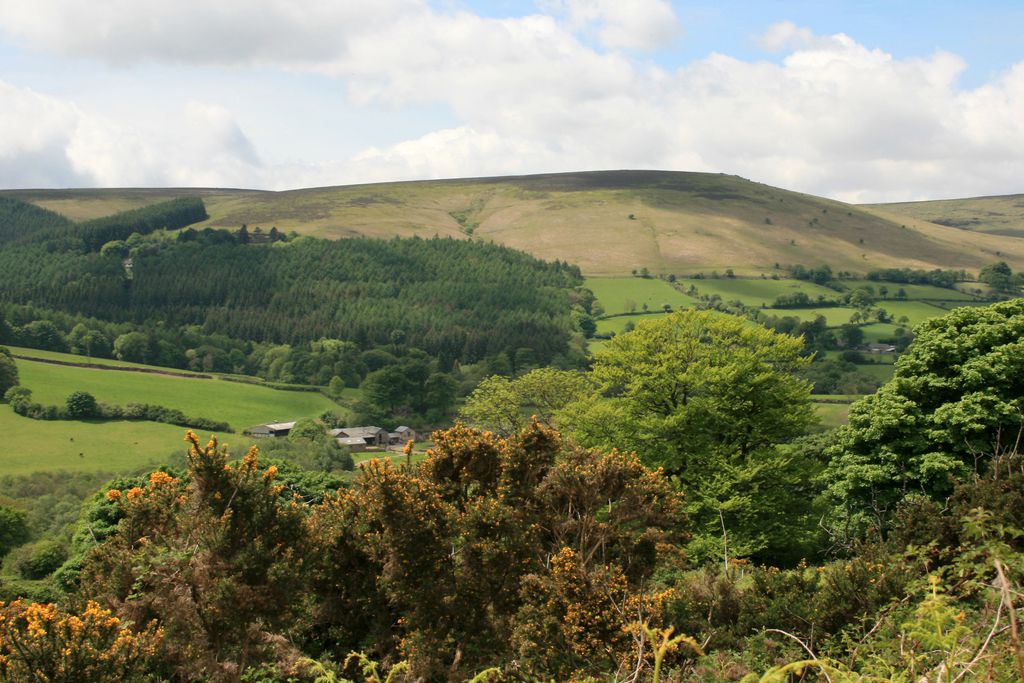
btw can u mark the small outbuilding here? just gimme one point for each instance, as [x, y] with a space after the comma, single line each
[272, 429]
[402, 435]
[353, 443]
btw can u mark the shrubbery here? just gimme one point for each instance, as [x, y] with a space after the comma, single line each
[39, 560]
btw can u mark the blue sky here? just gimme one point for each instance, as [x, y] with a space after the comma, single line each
[862, 101]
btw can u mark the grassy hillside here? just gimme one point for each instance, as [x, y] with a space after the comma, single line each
[114, 446]
[84, 205]
[241, 405]
[608, 222]
[1003, 215]
[631, 294]
[37, 445]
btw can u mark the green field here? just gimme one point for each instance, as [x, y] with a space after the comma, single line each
[923, 292]
[72, 358]
[616, 294]
[831, 415]
[880, 371]
[836, 315]
[241, 405]
[37, 445]
[915, 311]
[617, 325]
[756, 292]
[875, 332]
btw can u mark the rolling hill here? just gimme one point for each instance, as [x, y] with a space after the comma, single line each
[607, 222]
[1001, 215]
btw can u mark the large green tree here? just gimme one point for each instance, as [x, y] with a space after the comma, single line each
[954, 409]
[507, 405]
[707, 397]
[693, 384]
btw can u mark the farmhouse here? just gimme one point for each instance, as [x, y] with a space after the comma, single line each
[370, 436]
[272, 429]
[402, 435]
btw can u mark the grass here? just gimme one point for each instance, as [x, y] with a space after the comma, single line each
[835, 316]
[608, 222]
[915, 311]
[756, 292]
[876, 332]
[241, 405]
[923, 292]
[883, 358]
[72, 358]
[881, 371]
[831, 415]
[616, 294]
[618, 324]
[36, 445]
[1002, 215]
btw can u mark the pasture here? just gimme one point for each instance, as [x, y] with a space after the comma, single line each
[915, 311]
[617, 325]
[37, 445]
[835, 316]
[72, 358]
[756, 292]
[626, 294]
[830, 415]
[923, 292]
[241, 405]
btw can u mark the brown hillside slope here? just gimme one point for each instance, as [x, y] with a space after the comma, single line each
[608, 222]
[1001, 215]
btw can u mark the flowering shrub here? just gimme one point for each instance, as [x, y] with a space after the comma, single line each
[40, 642]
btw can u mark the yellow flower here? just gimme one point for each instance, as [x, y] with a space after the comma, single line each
[160, 478]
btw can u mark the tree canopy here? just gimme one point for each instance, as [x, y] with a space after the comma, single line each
[694, 385]
[954, 408]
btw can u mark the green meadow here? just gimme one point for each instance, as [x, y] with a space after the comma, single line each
[617, 325]
[835, 316]
[831, 415]
[924, 292]
[37, 445]
[241, 405]
[754, 292]
[620, 294]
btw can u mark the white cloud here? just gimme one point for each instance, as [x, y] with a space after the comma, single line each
[785, 35]
[637, 24]
[196, 31]
[34, 135]
[529, 94]
[46, 142]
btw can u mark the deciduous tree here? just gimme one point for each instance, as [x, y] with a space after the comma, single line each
[954, 409]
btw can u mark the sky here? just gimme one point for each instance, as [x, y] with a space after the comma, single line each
[858, 100]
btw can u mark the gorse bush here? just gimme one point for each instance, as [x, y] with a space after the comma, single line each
[41, 642]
